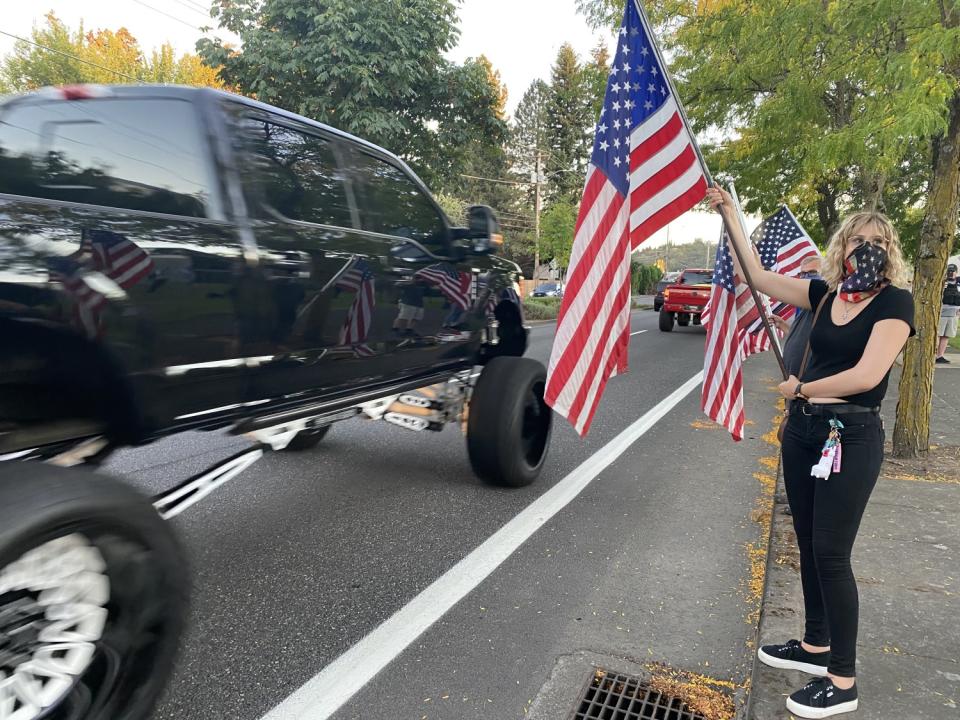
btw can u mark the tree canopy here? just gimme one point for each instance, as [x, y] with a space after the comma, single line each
[373, 69]
[100, 56]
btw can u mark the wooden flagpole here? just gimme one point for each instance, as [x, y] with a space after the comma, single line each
[774, 340]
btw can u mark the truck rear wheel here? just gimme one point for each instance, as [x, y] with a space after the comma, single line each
[683, 319]
[666, 321]
[92, 596]
[508, 428]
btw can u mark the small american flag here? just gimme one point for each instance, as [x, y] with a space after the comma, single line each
[88, 304]
[783, 245]
[454, 285]
[749, 322]
[643, 173]
[357, 278]
[120, 259]
[722, 393]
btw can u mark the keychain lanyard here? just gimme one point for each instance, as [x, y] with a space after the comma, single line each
[831, 453]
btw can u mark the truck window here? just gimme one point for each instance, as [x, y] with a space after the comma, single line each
[294, 173]
[696, 278]
[393, 204]
[137, 154]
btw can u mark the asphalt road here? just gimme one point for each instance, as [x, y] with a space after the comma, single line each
[304, 554]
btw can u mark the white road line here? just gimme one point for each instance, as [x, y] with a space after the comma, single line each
[637, 332]
[333, 686]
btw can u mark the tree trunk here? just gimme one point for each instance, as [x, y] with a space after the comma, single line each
[911, 434]
[827, 209]
[872, 184]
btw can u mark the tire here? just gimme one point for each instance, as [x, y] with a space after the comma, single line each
[683, 320]
[120, 559]
[666, 321]
[509, 424]
[307, 439]
[657, 305]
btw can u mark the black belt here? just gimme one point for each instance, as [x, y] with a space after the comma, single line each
[827, 410]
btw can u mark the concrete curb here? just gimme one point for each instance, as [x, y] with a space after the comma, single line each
[781, 611]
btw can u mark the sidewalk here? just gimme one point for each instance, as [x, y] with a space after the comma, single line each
[907, 563]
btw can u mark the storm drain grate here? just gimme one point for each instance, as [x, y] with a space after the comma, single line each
[612, 696]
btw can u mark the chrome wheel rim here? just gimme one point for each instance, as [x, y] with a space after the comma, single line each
[53, 611]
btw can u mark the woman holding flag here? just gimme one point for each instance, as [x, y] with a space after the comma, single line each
[833, 441]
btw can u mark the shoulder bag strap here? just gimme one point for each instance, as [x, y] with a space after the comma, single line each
[806, 351]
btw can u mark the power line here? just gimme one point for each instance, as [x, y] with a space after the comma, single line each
[496, 180]
[198, 5]
[69, 55]
[194, 8]
[166, 14]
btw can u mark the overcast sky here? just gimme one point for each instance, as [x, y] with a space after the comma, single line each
[521, 38]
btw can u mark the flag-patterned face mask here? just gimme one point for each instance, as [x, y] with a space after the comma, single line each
[863, 273]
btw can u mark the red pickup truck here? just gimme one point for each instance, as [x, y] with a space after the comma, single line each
[685, 299]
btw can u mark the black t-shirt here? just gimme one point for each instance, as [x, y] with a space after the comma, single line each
[835, 348]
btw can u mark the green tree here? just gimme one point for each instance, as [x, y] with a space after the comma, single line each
[374, 69]
[454, 207]
[102, 56]
[115, 53]
[556, 233]
[28, 67]
[570, 120]
[929, 40]
[601, 13]
[530, 130]
[595, 76]
[643, 278]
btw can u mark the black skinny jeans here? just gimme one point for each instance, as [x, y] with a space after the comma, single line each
[826, 517]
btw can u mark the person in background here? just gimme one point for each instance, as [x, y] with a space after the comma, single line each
[798, 332]
[948, 313]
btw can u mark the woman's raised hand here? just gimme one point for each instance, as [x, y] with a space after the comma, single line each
[719, 199]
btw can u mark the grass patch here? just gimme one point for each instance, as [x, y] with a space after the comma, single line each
[955, 342]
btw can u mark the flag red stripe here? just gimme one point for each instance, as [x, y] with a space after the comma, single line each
[669, 212]
[618, 356]
[663, 179]
[578, 274]
[656, 142]
[620, 300]
[571, 353]
[594, 185]
[721, 345]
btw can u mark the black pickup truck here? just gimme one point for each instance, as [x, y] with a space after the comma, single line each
[180, 259]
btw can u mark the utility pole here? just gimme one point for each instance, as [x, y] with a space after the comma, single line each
[536, 222]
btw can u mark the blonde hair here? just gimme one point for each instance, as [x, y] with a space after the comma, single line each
[896, 269]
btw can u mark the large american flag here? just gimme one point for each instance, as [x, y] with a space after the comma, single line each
[454, 285]
[643, 173]
[357, 278]
[117, 257]
[722, 393]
